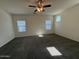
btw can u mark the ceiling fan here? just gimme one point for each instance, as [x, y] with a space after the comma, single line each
[40, 7]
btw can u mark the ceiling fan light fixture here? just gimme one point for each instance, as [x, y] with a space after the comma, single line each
[39, 9]
[40, 6]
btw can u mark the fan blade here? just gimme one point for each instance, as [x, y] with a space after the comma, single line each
[31, 6]
[35, 11]
[47, 6]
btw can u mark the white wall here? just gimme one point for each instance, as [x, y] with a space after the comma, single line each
[35, 25]
[6, 30]
[69, 26]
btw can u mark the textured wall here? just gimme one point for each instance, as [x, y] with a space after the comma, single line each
[35, 25]
[69, 26]
[6, 30]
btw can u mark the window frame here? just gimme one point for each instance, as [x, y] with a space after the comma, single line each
[48, 25]
[58, 18]
[19, 27]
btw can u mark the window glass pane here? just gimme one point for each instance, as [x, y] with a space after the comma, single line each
[48, 27]
[48, 21]
[58, 18]
[22, 29]
[48, 24]
[21, 25]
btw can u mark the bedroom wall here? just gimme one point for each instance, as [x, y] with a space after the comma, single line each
[35, 25]
[69, 25]
[6, 29]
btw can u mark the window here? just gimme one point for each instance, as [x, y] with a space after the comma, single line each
[21, 25]
[48, 24]
[58, 18]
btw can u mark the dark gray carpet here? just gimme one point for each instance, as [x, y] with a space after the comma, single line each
[33, 47]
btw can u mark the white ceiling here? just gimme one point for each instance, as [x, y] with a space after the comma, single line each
[21, 6]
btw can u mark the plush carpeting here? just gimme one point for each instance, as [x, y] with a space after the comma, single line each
[34, 47]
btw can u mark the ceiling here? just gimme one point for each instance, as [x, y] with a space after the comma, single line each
[21, 6]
